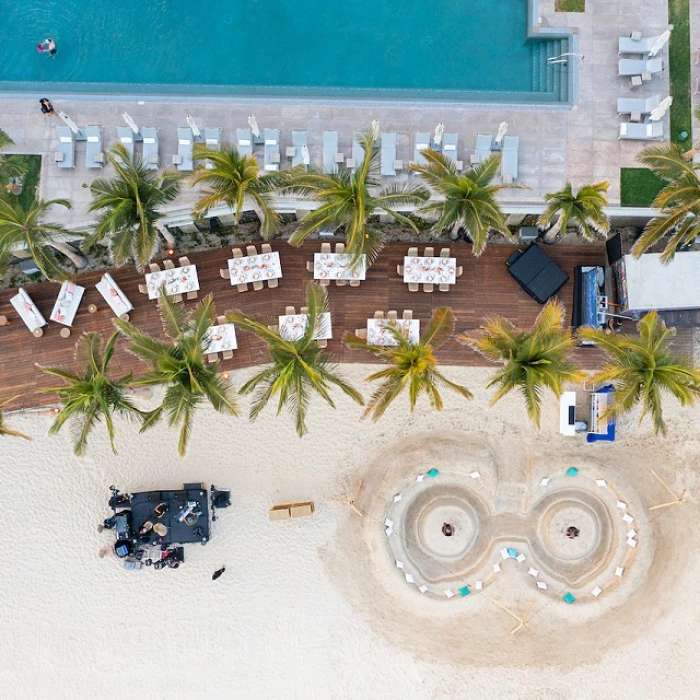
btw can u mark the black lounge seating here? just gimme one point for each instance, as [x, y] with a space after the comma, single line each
[536, 273]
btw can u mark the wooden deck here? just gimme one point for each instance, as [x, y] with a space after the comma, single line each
[485, 288]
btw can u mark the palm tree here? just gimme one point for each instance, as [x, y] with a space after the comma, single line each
[129, 206]
[12, 165]
[23, 229]
[4, 428]
[348, 199]
[678, 202]
[533, 360]
[468, 201]
[91, 396]
[643, 368]
[230, 179]
[412, 366]
[297, 366]
[583, 210]
[179, 364]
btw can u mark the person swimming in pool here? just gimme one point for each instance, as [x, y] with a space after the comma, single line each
[51, 47]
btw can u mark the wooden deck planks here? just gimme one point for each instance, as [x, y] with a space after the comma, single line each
[485, 288]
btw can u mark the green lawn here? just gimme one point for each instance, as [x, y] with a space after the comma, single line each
[639, 187]
[679, 70]
[570, 6]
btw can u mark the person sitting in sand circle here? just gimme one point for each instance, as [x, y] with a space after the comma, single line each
[448, 530]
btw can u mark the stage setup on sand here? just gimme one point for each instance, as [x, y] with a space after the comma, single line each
[151, 526]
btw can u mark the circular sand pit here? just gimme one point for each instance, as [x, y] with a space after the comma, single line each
[570, 530]
[445, 529]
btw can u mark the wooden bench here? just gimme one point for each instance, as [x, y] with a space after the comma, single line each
[286, 511]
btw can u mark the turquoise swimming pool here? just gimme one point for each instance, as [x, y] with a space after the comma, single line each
[474, 50]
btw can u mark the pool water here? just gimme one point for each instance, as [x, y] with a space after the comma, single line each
[418, 49]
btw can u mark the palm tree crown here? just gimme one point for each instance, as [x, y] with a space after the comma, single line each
[6, 429]
[643, 367]
[347, 199]
[90, 397]
[129, 206]
[297, 367]
[25, 229]
[412, 366]
[468, 200]
[533, 360]
[230, 178]
[178, 364]
[678, 201]
[583, 210]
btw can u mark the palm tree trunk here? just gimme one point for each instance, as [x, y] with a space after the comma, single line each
[80, 261]
[167, 235]
[551, 234]
[258, 212]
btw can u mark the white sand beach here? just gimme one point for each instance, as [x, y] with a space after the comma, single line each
[315, 607]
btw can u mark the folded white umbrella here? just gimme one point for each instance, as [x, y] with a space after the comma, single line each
[305, 158]
[375, 130]
[130, 123]
[69, 122]
[660, 43]
[439, 131]
[502, 128]
[253, 123]
[195, 129]
[658, 112]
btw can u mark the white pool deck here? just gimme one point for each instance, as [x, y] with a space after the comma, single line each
[579, 144]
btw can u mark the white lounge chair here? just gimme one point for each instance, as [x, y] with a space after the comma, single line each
[482, 150]
[450, 149]
[126, 138]
[422, 142]
[212, 139]
[629, 131]
[637, 105]
[184, 159]
[65, 153]
[509, 159]
[633, 66]
[627, 45]
[388, 154]
[300, 141]
[244, 142]
[330, 152]
[150, 147]
[272, 150]
[94, 155]
[358, 153]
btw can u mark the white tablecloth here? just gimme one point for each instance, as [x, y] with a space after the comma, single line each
[113, 295]
[377, 333]
[255, 268]
[430, 270]
[27, 310]
[338, 267]
[293, 327]
[67, 304]
[220, 338]
[178, 281]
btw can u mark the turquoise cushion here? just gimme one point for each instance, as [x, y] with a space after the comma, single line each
[568, 598]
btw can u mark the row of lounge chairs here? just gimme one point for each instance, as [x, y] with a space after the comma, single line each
[638, 110]
[298, 152]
